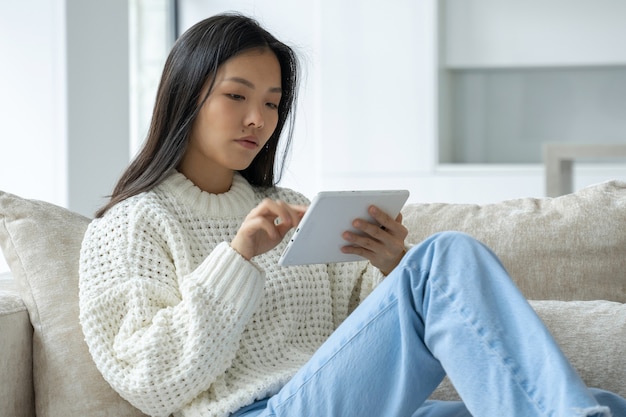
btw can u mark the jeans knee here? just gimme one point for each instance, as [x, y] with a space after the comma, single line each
[453, 237]
[447, 249]
[446, 239]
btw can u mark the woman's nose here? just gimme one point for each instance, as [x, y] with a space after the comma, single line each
[254, 118]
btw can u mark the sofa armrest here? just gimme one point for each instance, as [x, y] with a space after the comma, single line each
[16, 359]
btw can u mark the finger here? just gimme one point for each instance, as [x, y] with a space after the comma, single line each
[380, 233]
[264, 216]
[289, 214]
[261, 223]
[387, 223]
[380, 216]
[373, 257]
[275, 210]
[375, 239]
[392, 226]
[364, 241]
[300, 211]
[296, 212]
[283, 226]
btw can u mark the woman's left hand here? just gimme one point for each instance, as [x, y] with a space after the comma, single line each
[382, 244]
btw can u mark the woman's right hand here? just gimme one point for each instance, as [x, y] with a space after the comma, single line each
[265, 226]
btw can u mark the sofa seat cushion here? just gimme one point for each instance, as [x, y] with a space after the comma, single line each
[16, 360]
[41, 243]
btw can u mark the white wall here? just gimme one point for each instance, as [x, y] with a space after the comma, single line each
[32, 102]
[367, 113]
[64, 106]
[496, 33]
[374, 109]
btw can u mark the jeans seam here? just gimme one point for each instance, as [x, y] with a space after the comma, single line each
[496, 353]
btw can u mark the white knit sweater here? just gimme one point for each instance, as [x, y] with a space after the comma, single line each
[178, 322]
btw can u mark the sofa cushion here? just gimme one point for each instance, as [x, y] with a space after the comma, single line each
[16, 361]
[591, 335]
[41, 243]
[571, 247]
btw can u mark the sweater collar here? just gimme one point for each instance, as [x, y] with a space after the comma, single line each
[236, 202]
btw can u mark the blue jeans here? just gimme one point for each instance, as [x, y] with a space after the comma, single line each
[448, 308]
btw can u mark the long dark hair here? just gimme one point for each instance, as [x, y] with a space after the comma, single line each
[193, 60]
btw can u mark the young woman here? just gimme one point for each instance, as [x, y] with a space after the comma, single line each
[185, 310]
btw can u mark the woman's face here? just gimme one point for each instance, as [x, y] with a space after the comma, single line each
[236, 120]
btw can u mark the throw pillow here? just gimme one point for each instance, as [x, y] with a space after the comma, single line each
[571, 247]
[41, 243]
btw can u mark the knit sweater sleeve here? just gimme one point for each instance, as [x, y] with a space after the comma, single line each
[150, 329]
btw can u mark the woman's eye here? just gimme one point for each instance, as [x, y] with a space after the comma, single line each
[235, 96]
[273, 106]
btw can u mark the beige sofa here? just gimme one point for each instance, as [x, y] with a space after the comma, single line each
[567, 254]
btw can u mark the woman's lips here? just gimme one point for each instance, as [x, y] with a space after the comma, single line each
[248, 142]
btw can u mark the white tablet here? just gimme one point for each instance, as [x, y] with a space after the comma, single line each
[317, 239]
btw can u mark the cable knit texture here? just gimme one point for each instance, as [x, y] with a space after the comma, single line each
[179, 323]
